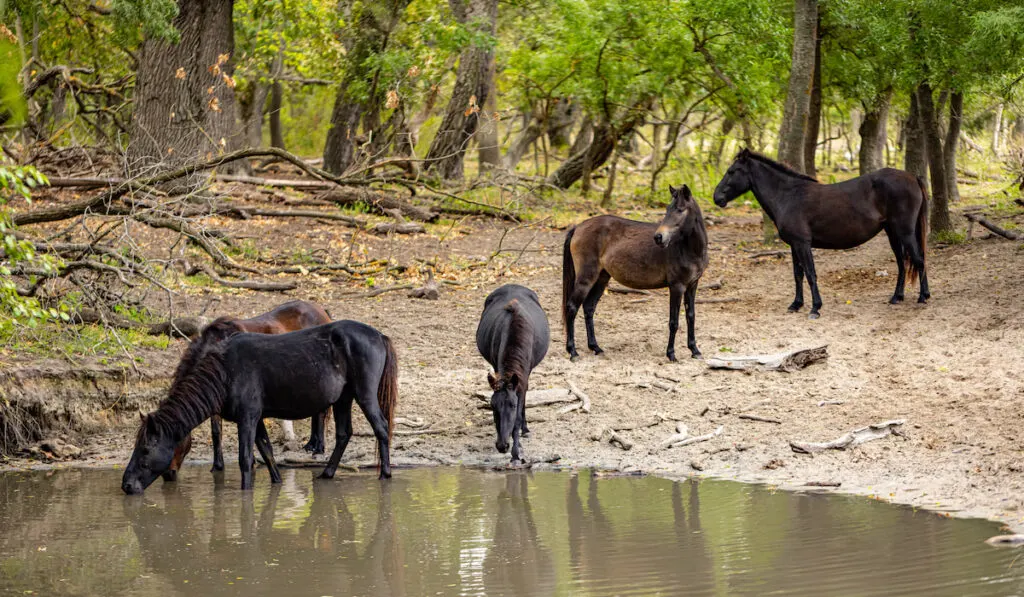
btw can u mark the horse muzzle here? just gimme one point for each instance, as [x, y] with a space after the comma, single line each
[132, 488]
[720, 200]
[502, 446]
[661, 239]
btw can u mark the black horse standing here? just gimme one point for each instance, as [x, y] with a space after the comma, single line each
[513, 336]
[835, 216]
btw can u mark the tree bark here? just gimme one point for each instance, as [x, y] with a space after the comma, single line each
[801, 76]
[523, 141]
[561, 120]
[872, 131]
[448, 148]
[997, 126]
[916, 159]
[274, 116]
[359, 97]
[940, 221]
[250, 107]
[1018, 130]
[956, 117]
[489, 154]
[602, 144]
[184, 94]
[814, 109]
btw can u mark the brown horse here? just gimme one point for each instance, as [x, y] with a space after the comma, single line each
[291, 316]
[673, 253]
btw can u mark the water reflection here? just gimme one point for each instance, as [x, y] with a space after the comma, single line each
[464, 532]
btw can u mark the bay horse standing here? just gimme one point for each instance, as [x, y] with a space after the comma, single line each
[844, 215]
[288, 376]
[513, 336]
[673, 253]
[288, 317]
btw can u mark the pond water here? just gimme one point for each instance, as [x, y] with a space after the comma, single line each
[453, 531]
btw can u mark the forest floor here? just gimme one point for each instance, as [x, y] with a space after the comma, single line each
[951, 368]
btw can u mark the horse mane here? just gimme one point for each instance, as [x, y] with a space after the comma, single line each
[199, 384]
[518, 345]
[776, 165]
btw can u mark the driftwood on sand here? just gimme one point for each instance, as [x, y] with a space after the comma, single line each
[851, 439]
[783, 361]
[682, 437]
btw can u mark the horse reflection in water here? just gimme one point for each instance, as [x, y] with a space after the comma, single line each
[517, 562]
[614, 551]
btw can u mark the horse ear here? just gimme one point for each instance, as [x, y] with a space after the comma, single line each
[672, 190]
[142, 417]
[686, 192]
[745, 153]
[492, 381]
[513, 380]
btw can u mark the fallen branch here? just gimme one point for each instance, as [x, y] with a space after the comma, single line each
[996, 229]
[378, 202]
[783, 361]
[830, 402]
[683, 438]
[851, 439]
[247, 284]
[760, 419]
[246, 212]
[377, 291]
[181, 327]
[715, 300]
[275, 182]
[761, 254]
[584, 399]
[429, 291]
[822, 484]
[399, 226]
[609, 435]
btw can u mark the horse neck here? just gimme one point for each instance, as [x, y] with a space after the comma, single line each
[517, 346]
[196, 395]
[770, 186]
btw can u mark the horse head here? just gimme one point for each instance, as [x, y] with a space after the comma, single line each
[679, 218]
[154, 451]
[736, 180]
[505, 407]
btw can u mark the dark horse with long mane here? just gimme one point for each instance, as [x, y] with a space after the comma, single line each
[288, 317]
[836, 216]
[673, 253]
[289, 376]
[513, 336]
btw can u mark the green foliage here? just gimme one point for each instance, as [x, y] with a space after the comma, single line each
[12, 104]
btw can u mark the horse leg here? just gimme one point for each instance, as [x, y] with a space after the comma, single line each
[675, 299]
[690, 296]
[807, 260]
[798, 277]
[590, 305]
[913, 248]
[585, 280]
[522, 415]
[246, 440]
[218, 452]
[342, 433]
[267, 451]
[901, 268]
[366, 397]
[317, 423]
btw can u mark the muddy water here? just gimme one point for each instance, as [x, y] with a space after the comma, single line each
[466, 532]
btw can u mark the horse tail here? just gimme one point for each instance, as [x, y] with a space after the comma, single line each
[387, 390]
[921, 232]
[568, 275]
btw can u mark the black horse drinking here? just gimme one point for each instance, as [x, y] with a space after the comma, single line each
[836, 216]
[289, 376]
[513, 336]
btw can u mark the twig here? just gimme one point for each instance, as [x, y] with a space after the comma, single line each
[377, 291]
[249, 285]
[761, 254]
[761, 419]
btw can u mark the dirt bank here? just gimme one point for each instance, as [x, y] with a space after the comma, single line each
[952, 369]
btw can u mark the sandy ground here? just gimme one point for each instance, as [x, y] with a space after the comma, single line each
[951, 368]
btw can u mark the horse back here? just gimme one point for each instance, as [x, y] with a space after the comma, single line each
[496, 321]
[288, 317]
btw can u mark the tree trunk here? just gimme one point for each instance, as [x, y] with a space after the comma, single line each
[448, 148]
[814, 109]
[583, 163]
[1018, 130]
[274, 116]
[956, 117]
[873, 134]
[523, 141]
[801, 76]
[916, 159]
[359, 97]
[583, 137]
[996, 129]
[940, 221]
[184, 94]
[561, 120]
[489, 154]
[250, 106]
[655, 156]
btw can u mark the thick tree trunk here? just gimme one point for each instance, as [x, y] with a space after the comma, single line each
[1018, 130]
[956, 117]
[801, 76]
[560, 121]
[916, 159]
[814, 109]
[184, 94]
[583, 137]
[873, 134]
[489, 153]
[359, 97]
[581, 164]
[250, 106]
[940, 221]
[448, 148]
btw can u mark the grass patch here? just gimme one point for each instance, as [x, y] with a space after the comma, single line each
[950, 237]
[51, 340]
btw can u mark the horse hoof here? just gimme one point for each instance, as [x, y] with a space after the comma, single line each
[896, 300]
[597, 351]
[325, 475]
[794, 308]
[672, 357]
[696, 355]
[922, 300]
[813, 315]
[573, 358]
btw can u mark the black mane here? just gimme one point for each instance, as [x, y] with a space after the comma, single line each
[518, 345]
[776, 165]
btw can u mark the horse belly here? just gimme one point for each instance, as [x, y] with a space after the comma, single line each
[300, 399]
[844, 231]
[634, 271]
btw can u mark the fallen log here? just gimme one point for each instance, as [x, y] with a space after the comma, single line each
[1008, 234]
[761, 254]
[783, 361]
[429, 291]
[607, 434]
[246, 284]
[584, 399]
[851, 439]
[377, 201]
[682, 437]
[318, 185]
[377, 291]
[179, 327]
